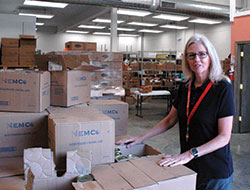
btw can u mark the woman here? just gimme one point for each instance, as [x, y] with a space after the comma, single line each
[204, 108]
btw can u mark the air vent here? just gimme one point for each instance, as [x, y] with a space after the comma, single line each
[168, 5]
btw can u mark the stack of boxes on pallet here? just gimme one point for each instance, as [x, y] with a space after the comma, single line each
[18, 52]
[74, 121]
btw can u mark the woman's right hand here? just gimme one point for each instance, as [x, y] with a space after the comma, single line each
[130, 141]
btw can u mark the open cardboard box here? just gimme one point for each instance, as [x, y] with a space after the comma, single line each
[140, 150]
[71, 86]
[140, 174]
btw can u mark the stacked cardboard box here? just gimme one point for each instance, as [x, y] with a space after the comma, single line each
[19, 52]
[27, 50]
[110, 75]
[10, 51]
[80, 46]
[79, 128]
[116, 110]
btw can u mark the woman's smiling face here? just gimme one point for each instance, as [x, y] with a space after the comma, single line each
[198, 59]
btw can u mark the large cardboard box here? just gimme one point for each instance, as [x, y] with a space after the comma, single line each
[27, 60]
[82, 46]
[22, 130]
[144, 174]
[10, 51]
[81, 131]
[116, 110]
[70, 87]
[26, 91]
[10, 42]
[9, 61]
[27, 41]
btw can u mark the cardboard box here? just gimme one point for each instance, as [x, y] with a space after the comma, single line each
[22, 130]
[140, 150]
[81, 131]
[11, 166]
[81, 46]
[70, 87]
[9, 61]
[27, 41]
[89, 46]
[105, 56]
[26, 51]
[10, 51]
[10, 42]
[74, 45]
[116, 110]
[27, 60]
[125, 175]
[26, 91]
[40, 172]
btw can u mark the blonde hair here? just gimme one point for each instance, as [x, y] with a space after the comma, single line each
[215, 69]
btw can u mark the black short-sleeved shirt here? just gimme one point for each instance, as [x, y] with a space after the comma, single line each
[217, 103]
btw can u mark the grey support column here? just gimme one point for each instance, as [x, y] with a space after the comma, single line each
[113, 38]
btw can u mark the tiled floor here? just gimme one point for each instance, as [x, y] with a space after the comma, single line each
[168, 142]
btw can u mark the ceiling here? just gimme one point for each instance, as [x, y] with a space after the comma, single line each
[83, 12]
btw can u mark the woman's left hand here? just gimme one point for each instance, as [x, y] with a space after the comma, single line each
[177, 159]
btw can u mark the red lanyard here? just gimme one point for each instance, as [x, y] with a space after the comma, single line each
[189, 116]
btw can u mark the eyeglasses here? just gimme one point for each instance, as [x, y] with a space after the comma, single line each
[201, 55]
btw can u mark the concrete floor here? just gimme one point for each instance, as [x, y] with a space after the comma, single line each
[168, 142]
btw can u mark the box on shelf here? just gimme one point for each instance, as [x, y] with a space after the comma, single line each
[116, 110]
[22, 130]
[170, 66]
[81, 130]
[24, 91]
[10, 42]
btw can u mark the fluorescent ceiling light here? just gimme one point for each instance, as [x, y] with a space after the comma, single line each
[125, 29]
[37, 15]
[45, 4]
[77, 31]
[91, 26]
[142, 24]
[150, 31]
[204, 21]
[128, 35]
[39, 23]
[106, 20]
[101, 33]
[132, 12]
[174, 27]
[171, 17]
[205, 7]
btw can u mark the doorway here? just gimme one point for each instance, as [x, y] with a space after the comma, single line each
[242, 87]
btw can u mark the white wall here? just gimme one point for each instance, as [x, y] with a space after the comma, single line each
[47, 42]
[174, 40]
[11, 26]
[219, 35]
